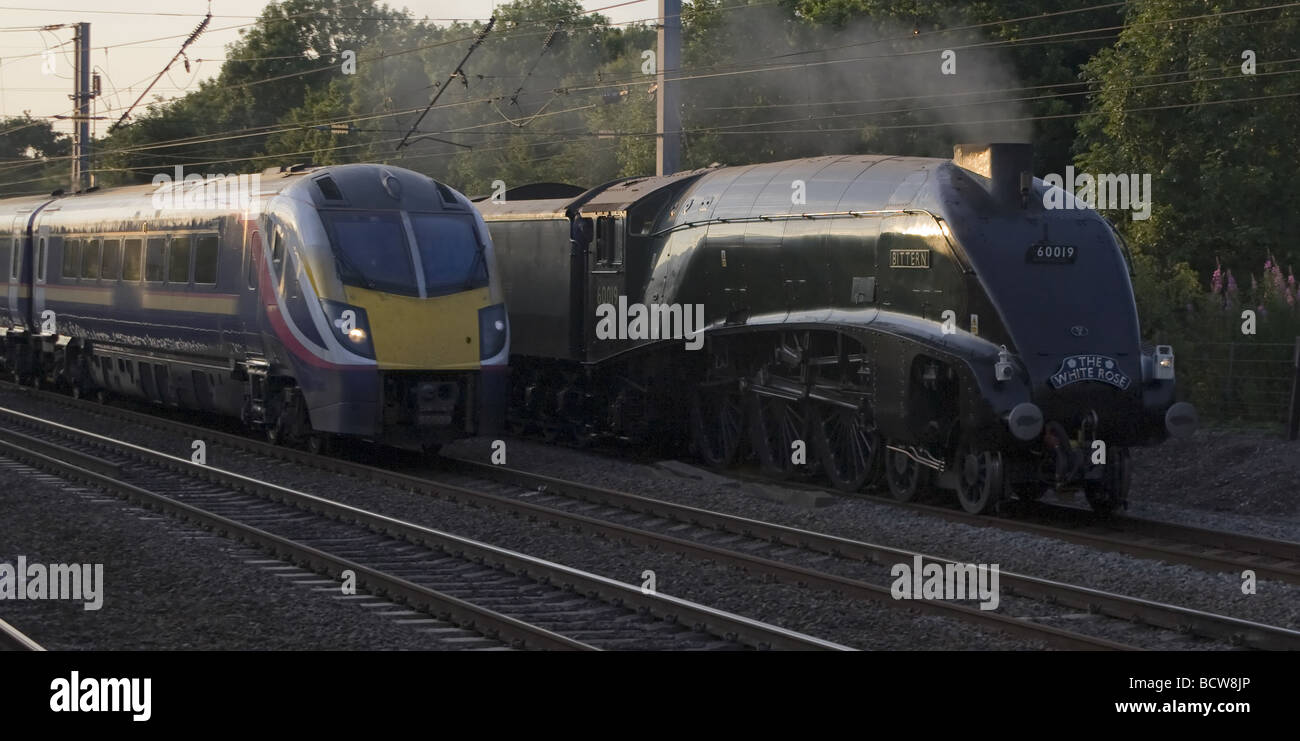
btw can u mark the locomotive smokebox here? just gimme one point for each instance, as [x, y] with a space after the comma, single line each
[1008, 167]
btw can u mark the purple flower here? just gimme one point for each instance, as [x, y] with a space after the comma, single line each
[1216, 278]
[1232, 284]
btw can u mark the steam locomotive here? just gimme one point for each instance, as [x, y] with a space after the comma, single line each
[312, 302]
[927, 321]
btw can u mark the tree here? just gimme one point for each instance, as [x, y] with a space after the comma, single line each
[27, 146]
[1222, 146]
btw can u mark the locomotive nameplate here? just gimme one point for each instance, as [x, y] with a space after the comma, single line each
[1052, 254]
[909, 258]
[1078, 368]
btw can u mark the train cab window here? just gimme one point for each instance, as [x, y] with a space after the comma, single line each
[205, 259]
[131, 259]
[110, 263]
[609, 241]
[71, 258]
[450, 253]
[90, 259]
[277, 252]
[155, 259]
[290, 286]
[179, 253]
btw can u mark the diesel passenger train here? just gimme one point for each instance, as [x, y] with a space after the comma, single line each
[355, 300]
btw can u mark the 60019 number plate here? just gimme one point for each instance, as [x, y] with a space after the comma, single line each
[1052, 254]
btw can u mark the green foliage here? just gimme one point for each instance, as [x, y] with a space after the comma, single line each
[26, 146]
[1223, 174]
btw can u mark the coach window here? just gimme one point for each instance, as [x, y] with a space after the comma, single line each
[155, 257]
[17, 258]
[111, 262]
[40, 262]
[71, 257]
[178, 260]
[205, 259]
[4, 250]
[90, 259]
[131, 259]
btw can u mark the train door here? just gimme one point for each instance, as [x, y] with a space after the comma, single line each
[43, 243]
[19, 296]
[244, 337]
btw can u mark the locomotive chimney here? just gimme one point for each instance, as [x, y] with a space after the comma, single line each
[1008, 167]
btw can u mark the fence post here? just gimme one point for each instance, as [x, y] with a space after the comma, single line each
[1293, 419]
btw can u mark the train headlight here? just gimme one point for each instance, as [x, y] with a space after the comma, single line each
[492, 330]
[1164, 363]
[351, 327]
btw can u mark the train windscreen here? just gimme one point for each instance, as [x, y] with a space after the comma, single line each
[450, 252]
[371, 251]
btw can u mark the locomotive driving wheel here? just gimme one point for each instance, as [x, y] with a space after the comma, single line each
[980, 483]
[776, 428]
[717, 425]
[848, 445]
[1110, 492]
[906, 477]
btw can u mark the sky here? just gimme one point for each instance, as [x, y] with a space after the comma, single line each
[130, 45]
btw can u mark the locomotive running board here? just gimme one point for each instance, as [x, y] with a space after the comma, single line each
[920, 456]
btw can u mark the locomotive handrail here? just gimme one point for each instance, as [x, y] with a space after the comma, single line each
[963, 260]
[783, 217]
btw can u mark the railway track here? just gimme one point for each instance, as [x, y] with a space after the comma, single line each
[529, 490]
[515, 598]
[12, 639]
[1216, 550]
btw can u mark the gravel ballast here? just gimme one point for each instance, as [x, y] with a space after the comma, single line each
[171, 586]
[862, 624]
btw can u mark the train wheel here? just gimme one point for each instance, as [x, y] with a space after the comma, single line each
[980, 484]
[1110, 493]
[776, 428]
[717, 426]
[848, 446]
[906, 477]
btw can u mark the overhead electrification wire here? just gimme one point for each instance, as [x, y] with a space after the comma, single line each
[454, 74]
[180, 53]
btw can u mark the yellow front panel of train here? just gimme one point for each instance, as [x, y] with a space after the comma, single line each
[411, 333]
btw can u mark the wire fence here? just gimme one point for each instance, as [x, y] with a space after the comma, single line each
[1241, 383]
